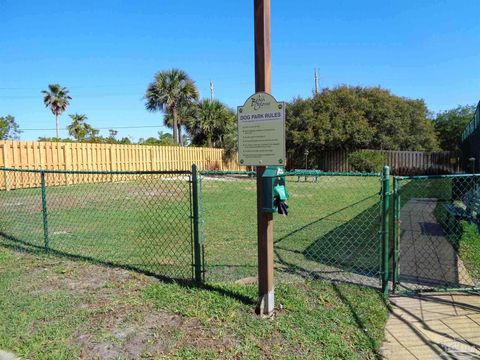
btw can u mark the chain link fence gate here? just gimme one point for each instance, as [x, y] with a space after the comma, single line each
[143, 220]
[333, 231]
[436, 245]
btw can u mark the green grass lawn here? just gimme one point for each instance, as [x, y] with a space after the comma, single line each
[465, 238]
[55, 308]
[469, 249]
[333, 225]
[144, 224]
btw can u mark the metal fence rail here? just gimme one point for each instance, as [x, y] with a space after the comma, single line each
[436, 244]
[333, 231]
[142, 220]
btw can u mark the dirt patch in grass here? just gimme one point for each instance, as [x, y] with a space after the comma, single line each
[120, 323]
[150, 334]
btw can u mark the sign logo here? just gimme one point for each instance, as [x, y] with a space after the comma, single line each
[259, 101]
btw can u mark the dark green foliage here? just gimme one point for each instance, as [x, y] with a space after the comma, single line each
[214, 125]
[352, 118]
[163, 139]
[8, 128]
[54, 139]
[57, 98]
[170, 92]
[80, 130]
[367, 161]
[111, 139]
[449, 126]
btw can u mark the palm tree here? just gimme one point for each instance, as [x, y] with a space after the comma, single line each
[57, 98]
[213, 120]
[169, 90]
[79, 129]
[186, 114]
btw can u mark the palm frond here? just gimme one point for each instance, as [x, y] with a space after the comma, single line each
[57, 98]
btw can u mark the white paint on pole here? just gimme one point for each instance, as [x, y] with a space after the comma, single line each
[267, 303]
[261, 131]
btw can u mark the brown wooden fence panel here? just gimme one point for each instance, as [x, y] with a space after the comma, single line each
[400, 162]
[102, 157]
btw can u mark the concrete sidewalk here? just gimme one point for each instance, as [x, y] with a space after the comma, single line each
[433, 326]
[427, 259]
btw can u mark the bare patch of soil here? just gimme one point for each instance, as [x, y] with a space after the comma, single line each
[78, 277]
[154, 334]
[120, 322]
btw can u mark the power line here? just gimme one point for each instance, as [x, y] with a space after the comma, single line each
[104, 128]
[83, 96]
[116, 86]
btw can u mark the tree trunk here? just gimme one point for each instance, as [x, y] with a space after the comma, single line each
[175, 125]
[209, 141]
[57, 125]
[180, 140]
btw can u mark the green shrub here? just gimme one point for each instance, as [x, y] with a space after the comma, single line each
[367, 161]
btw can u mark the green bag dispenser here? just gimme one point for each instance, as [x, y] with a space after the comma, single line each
[273, 188]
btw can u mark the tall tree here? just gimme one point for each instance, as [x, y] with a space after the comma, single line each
[449, 126]
[57, 98]
[169, 90]
[79, 129]
[186, 113]
[212, 121]
[352, 118]
[8, 128]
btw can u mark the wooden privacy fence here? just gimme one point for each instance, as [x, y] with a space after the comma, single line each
[103, 157]
[400, 162]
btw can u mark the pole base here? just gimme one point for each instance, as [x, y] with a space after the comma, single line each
[266, 304]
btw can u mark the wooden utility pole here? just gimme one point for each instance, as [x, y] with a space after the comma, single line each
[266, 299]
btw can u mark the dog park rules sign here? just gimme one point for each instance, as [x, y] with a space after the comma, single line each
[261, 131]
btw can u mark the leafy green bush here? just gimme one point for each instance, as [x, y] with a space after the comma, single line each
[367, 161]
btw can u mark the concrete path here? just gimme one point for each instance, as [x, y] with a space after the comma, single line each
[433, 326]
[427, 259]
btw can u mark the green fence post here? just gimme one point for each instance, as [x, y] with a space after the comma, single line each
[386, 229]
[44, 210]
[197, 249]
[396, 231]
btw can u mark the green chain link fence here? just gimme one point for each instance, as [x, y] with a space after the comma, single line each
[333, 231]
[191, 225]
[436, 243]
[140, 220]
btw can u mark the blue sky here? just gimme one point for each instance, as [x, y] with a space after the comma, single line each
[106, 52]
